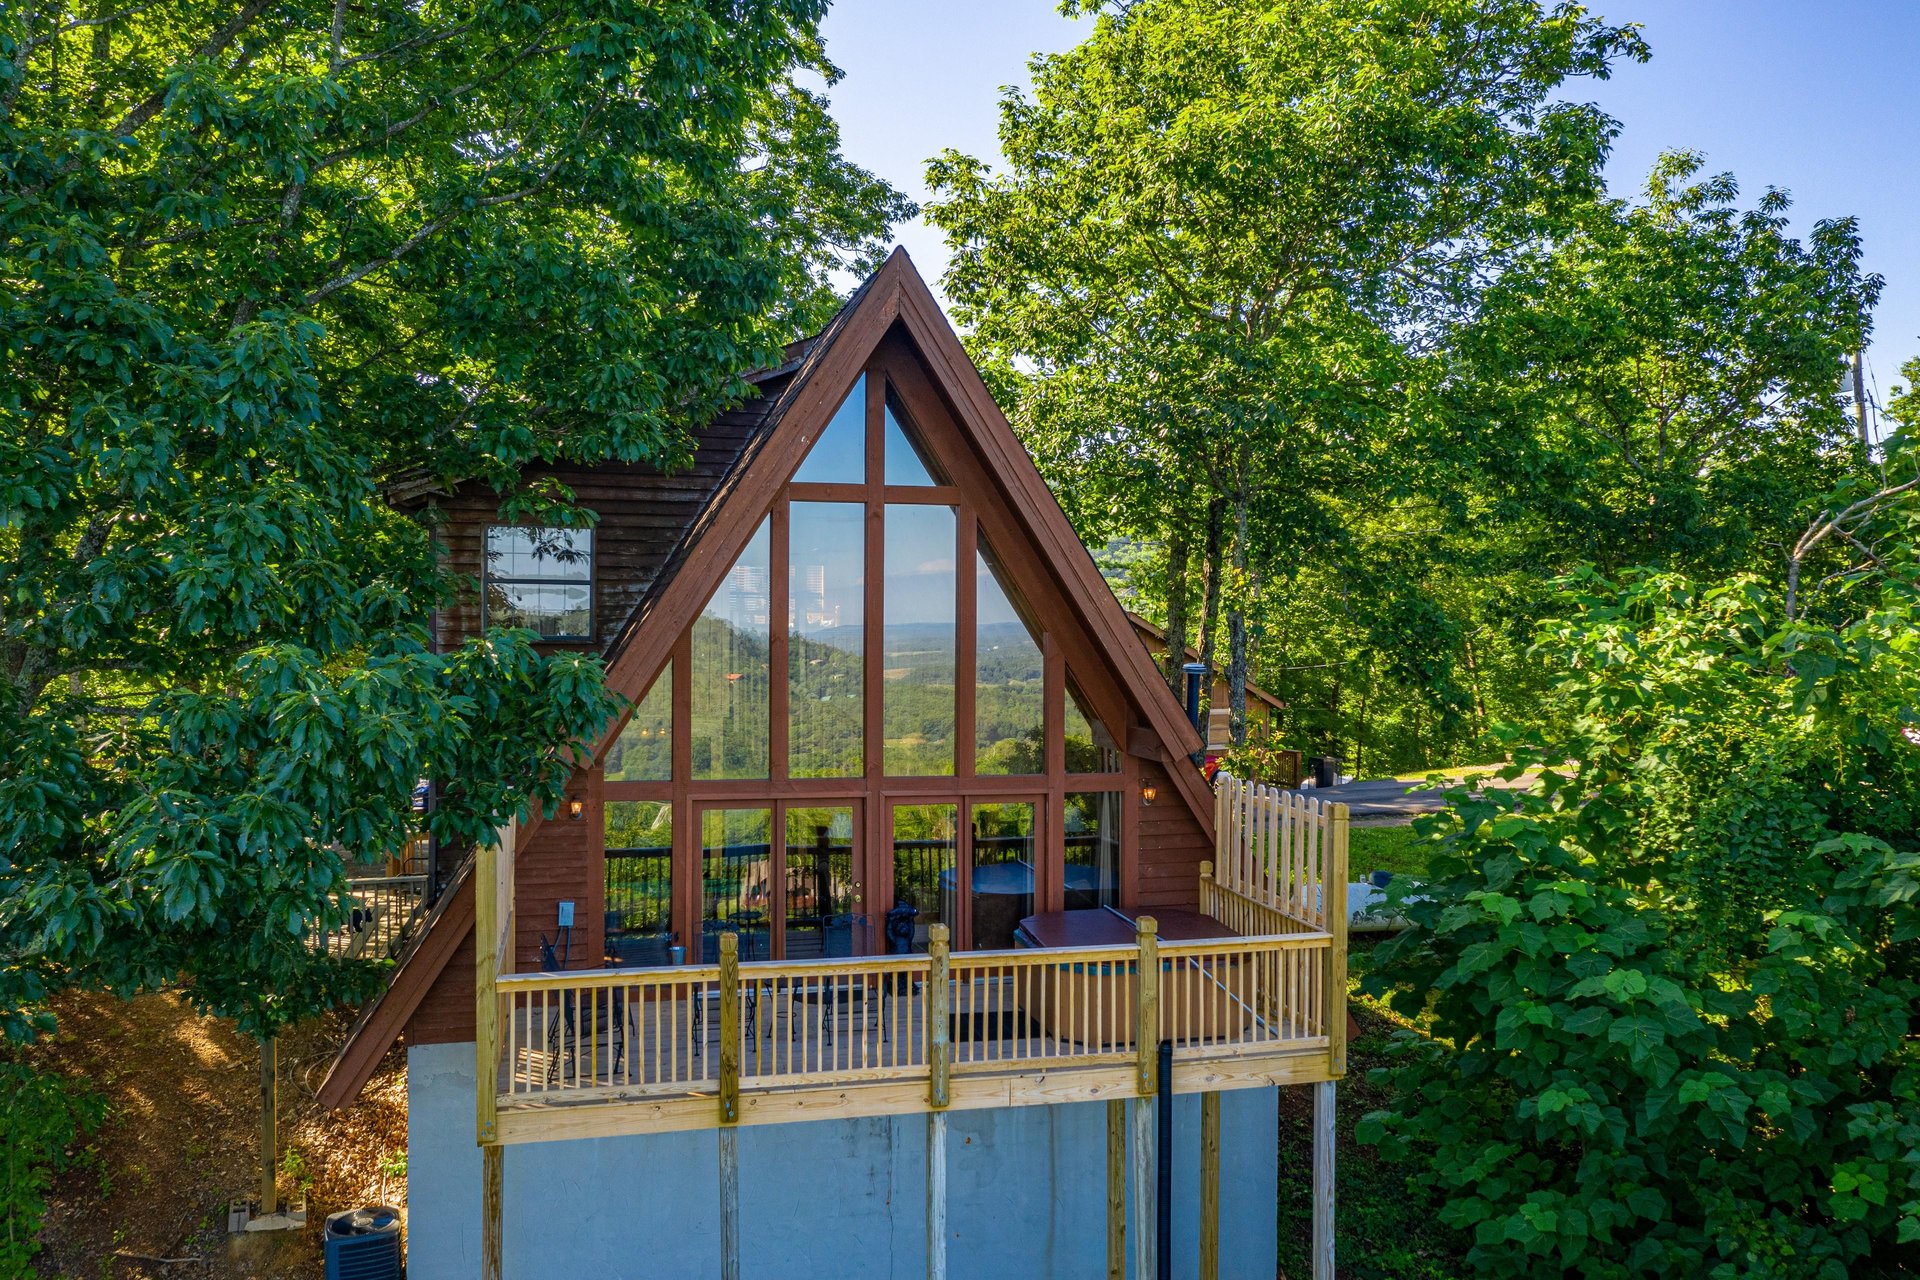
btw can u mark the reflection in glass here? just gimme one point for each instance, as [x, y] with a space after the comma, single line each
[819, 906]
[639, 881]
[1093, 849]
[826, 595]
[926, 843]
[730, 732]
[540, 579]
[839, 456]
[1002, 881]
[644, 750]
[918, 646]
[736, 880]
[908, 461]
[1090, 748]
[1010, 699]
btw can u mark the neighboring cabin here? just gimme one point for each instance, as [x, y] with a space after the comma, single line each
[884, 709]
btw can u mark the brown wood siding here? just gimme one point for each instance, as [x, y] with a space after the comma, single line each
[559, 864]
[1172, 846]
[643, 516]
[445, 1013]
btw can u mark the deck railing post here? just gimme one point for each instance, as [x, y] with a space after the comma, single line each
[939, 1026]
[486, 1003]
[729, 1028]
[939, 1093]
[1146, 1027]
[1334, 894]
[1146, 1126]
[1209, 904]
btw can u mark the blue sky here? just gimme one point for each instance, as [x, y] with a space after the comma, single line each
[1817, 98]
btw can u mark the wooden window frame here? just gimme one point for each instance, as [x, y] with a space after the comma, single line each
[488, 578]
[980, 514]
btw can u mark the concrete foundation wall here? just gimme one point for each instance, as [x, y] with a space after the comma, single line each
[1026, 1193]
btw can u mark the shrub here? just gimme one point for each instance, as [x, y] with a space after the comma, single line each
[1672, 988]
[42, 1118]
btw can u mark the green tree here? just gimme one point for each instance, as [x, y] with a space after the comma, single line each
[1671, 990]
[274, 274]
[1222, 226]
[1660, 385]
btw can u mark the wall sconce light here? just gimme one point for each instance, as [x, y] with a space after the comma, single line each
[577, 810]
[1148, 792]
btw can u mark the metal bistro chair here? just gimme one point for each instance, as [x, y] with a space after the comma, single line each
[710, 931]
[550, 963]
[827, 993]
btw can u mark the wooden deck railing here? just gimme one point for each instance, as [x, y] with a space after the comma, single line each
[381, 911]
[1282, 867]
[1020, 1026]
[578, 1054]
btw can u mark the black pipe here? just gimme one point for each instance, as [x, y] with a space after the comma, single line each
[1163, 1201]
[1194, 670]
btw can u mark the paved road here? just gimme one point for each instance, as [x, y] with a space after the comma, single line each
[1378, 799]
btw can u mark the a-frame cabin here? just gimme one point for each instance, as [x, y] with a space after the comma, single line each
[903, 822]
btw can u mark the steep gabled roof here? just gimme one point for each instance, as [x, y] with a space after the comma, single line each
[806, 400]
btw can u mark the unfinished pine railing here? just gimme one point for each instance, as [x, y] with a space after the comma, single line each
[630, 1050]
[1280, 868]
[1027, 1026]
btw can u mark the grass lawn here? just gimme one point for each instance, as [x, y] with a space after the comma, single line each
[1388, 1229]
[1395, 849]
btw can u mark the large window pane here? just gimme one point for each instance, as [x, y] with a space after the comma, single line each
[926, 844]
[826, 595]
[1009, 699]
[918, 652]
[1002, 889]
[1090, 748]
[639, 882]
[908, 461]
[736, 880]
[730, 731]
[820, 919]
[1093, 849]
[839, 456]
[644, 750]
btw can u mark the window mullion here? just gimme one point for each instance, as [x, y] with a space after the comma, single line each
[779, 660]
[966, 640]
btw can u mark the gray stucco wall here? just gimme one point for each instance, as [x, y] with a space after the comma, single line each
[1026, 1193]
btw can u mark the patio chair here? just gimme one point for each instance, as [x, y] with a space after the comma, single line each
[550, 963]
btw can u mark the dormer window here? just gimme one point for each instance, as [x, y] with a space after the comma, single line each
[540, 579]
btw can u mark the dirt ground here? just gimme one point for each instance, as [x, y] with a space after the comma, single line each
[181, 1142]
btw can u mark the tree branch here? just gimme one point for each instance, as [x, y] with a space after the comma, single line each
[213, 45]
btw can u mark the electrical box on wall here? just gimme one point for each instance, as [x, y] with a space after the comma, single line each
[566, 915]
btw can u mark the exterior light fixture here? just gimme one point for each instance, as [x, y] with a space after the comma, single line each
[577, 810]
[1148, 792]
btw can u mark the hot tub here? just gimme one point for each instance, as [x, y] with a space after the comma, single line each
[1092, 1003]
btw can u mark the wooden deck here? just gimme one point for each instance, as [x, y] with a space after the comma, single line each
[1250, 1010]
[637, 1050]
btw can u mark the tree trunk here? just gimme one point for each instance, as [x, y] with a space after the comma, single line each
[1473, 683]
[1178, 624]
[1237, 625]
[1210, 600]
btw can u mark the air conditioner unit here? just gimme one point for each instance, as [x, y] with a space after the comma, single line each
[363, 1244]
